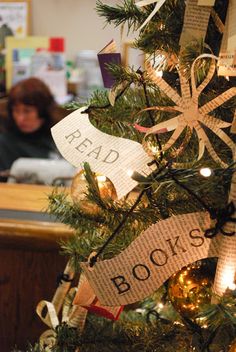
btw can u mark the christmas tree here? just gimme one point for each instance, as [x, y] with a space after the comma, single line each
[153, 207]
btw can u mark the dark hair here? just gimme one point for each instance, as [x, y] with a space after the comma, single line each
[34, 92]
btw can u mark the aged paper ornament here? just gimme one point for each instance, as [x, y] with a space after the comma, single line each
[62, 300]
[151, 259]
[76, 304]
[227, 60]
[206, 2]
[225, 277]
[191, 115]
[196, 20]
[79, 141]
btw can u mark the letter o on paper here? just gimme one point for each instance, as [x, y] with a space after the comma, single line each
[141, 272]
[156, 259]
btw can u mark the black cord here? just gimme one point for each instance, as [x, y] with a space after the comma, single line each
[94, 258]
[222, 216]
[63, 277]
[91, 107]
[116, 98]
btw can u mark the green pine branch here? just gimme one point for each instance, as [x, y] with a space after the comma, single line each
[127, 12]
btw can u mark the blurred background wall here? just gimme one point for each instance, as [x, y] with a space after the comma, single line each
[76, 21]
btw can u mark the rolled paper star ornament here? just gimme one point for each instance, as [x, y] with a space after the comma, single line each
[190, 114]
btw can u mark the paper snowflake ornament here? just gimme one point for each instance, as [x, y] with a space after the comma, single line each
[191, 115]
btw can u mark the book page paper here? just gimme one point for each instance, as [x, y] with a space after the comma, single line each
[231, 44]
[226, 266]
[227, 61]
[79, 141]
[196, 20]
[233, 127]
[206, 2]
[160, 251]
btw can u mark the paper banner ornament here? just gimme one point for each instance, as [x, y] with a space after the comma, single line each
[151, 259]
[227, 61]
[79, 141]
[190, 114]
[196, 20]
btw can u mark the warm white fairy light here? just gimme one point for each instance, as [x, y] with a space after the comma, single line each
[154, 149]
[130, 173]
[101, 178]
[227, 278]
[160, 305]
[205, 171]
[159, 73]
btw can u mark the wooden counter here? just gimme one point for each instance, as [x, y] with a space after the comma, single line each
[23, 218]
[29, 261]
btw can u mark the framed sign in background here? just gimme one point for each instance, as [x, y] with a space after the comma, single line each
[15, 17]
[18, 55]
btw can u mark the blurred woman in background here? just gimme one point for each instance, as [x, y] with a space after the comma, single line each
[27, 133]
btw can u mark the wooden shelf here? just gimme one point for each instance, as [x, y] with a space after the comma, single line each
[24, 197]
[22, 232]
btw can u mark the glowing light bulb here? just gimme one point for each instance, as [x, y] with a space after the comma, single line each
[130, 173]
[101, 178]
[159, 73]
[205, 171]
[227, 278]
[155, 149]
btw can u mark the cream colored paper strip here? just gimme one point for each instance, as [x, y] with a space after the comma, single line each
[79, 141]
[225, 277]
[115, 90]
[142, 3]
[219, 24]
[231, 42]
[51, 319]
[196, 20]
[48, 338]
[151, 259]
[206, 2]
[233, 127]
